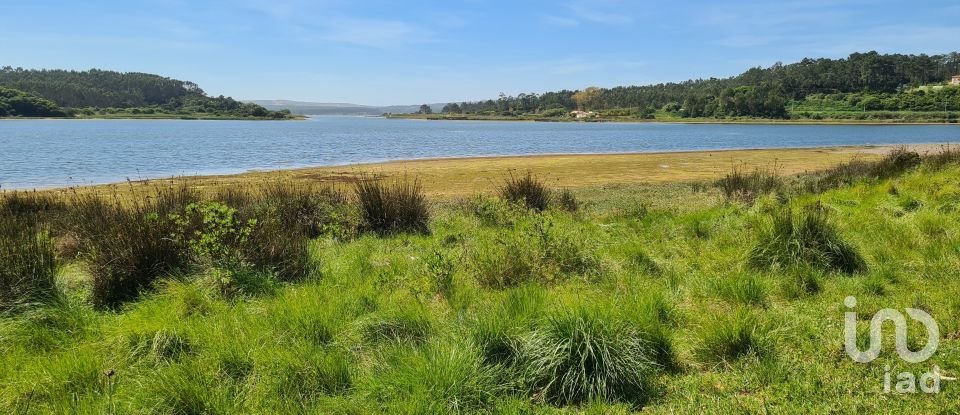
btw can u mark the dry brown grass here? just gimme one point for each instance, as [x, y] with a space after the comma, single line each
[457, 177]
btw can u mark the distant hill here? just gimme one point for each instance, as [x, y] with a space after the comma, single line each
[333, 108]
[101, 91]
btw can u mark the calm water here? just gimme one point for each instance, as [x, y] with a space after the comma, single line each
[47, 153]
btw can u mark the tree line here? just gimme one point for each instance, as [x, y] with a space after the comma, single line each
[758, 92]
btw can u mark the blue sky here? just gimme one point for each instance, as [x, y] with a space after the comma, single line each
[403, 52]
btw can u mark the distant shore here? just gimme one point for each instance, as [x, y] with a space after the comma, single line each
[761, 121]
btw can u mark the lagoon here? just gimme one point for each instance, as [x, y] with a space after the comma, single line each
[59, 153]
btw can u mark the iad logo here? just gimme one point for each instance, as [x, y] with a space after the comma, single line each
[906, 381]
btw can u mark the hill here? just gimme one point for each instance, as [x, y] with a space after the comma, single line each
[99, 92]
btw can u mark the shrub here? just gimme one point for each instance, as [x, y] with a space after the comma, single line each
[27, 264]
[733, 336]
[747, 186]
[388, 208]
[805, 239]
[128, 244]
[582, 355]
[527, 190]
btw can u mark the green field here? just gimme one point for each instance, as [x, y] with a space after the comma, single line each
[689, 296]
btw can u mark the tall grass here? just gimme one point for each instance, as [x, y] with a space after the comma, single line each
[443, 378]
[28, 265]
[389, 207]
[805, 239]
[733, 336]
[897, 162]
[538, 250]
[743, 185]
[527, 190]
[128, 244]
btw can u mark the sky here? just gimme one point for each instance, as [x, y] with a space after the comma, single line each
[380, 52]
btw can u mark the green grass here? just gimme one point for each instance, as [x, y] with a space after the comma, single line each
[664, 298]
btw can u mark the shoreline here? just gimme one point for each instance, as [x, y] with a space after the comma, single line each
[461, 175]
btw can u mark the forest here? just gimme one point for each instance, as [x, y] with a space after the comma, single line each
[99, 92]
[881, 82]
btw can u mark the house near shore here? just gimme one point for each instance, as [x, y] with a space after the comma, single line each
[583, 114]
[955, 80]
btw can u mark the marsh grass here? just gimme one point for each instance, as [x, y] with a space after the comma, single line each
[897, 162]
[747, 186]
[603, 312]
[127, 244]
[538, 249]
[807, 238]
[390, 207]
[582, 355]
[528, 190]
[446, 377]
[734, 336]
[28, 264]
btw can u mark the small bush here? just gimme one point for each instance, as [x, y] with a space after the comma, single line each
[527, 190]
[581, 356]
[747, 186]
[805, 239]
[28, 265]
[389, 208]
[733, 336]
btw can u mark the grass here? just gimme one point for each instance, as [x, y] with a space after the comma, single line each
[660, 298]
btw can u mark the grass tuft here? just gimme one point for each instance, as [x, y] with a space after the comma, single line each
[745, 186]
[582, 355]
[527, 190]
[733, 336]
[807, 238]
[392, 207]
